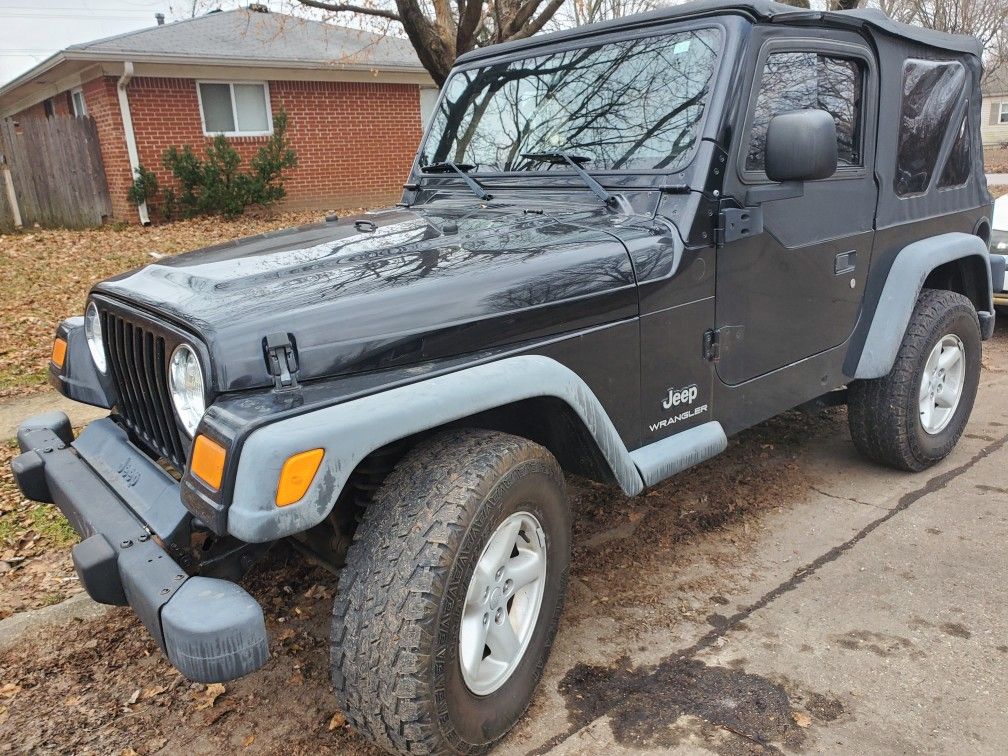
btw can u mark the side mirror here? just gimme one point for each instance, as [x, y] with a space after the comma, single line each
[801, 146]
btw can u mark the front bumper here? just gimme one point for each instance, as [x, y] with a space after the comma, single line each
[129, 515]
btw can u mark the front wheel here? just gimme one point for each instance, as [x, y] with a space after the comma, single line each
[452, 591]
[913, 417]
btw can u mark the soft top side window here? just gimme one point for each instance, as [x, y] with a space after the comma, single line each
[957, 167]
[931, 92]
[803, 80]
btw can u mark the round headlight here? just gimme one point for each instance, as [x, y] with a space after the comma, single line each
[185, 382]
[92, 330]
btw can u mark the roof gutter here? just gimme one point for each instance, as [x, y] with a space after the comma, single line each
[127, 121]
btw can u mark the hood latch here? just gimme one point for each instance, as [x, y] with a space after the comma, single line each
[281, 359]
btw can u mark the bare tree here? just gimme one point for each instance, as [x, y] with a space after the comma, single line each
[581, 12]
[987, 20]
[441, 30]
[182, 9]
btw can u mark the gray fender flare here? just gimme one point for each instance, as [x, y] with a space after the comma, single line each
[348, 432]
[902, 287]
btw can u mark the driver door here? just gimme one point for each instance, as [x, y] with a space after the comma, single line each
[795, 289]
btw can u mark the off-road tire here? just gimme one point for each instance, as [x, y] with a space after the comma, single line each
[883, 413]
[396, 616]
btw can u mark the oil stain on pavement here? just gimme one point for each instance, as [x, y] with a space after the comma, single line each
[643, 705]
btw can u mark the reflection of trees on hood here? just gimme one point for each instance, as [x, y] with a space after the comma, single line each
[567, 283]
[363, 267]
[634, 104]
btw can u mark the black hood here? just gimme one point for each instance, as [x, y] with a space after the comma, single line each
[423, 284]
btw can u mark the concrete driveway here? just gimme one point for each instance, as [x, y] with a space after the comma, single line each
[870, 617]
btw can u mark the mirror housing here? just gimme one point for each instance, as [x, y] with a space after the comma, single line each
[801, 146]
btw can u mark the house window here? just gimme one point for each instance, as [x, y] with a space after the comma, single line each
[809, 80]
[77, 100]
[236, 109]
[1003, 114]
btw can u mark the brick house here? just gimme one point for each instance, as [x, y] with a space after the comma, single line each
[356, 101]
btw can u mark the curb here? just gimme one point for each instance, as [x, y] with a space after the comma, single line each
[16, 409]
[79, 607]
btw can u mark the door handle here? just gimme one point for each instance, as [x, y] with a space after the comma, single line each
[845, 262]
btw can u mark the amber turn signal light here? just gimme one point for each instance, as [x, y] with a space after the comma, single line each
[208, 461]
[59, 348]
[297, 474]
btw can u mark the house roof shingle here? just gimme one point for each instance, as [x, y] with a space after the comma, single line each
[225, 40]
[243, 35]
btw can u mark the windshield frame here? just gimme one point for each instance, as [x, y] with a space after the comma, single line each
[592, 40]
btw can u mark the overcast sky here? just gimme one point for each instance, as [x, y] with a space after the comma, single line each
[32, 30]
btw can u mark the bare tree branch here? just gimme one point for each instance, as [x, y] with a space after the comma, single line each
[987, 20]
[348, 8]
[441, 30]
[536, 26]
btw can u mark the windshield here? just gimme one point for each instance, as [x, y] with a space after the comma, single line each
[630, 105]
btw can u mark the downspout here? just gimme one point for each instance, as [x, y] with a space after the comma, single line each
[127, 121]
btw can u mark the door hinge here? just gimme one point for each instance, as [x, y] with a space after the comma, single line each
[281, 359]
[716, 341]
[736, 223]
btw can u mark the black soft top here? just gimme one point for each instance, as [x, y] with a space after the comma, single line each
[870, 20]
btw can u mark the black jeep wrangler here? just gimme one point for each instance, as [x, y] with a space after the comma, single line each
[618, 246]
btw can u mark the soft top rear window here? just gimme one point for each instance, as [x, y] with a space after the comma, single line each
[931, 92]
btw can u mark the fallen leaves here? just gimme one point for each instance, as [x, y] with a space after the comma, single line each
[35, 566]
[210, 696]
[150, 693]
[318, 592]
[90, 669]
[47, 274]
[337, 721]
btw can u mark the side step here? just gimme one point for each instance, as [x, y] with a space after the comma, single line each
[672, 455]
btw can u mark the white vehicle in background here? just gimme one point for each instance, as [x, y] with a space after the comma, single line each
[999, 242]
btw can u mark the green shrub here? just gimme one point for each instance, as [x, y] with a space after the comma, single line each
[216, 185]
[144, 187]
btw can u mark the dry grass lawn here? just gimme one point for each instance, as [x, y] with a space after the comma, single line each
[47, 274]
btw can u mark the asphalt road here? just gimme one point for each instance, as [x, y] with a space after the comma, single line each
[787, 595]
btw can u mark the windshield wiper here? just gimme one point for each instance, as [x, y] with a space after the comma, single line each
[574, 161]
[448, 166]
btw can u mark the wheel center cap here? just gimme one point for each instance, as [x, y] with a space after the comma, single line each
[495, 597]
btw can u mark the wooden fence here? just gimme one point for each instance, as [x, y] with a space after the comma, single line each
[57, 172]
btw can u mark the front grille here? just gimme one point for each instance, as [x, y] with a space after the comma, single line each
[138, 359]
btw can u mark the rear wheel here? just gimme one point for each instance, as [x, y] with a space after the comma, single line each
[913, 417]
[450, 598]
